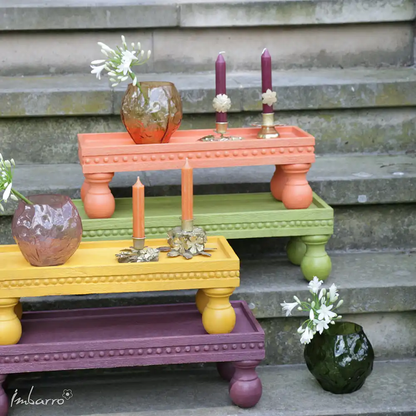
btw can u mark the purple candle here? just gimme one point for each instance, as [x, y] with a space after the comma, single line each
[220, 85]
[266, 77]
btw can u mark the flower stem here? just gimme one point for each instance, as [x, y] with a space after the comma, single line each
[22, 197]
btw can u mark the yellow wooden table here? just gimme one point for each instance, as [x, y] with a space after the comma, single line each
[95, 269]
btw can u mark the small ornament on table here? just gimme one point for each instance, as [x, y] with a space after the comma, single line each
[187, 241]
[139, 253]
[268, 129]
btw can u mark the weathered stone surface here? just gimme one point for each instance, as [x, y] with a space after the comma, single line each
[54, 139]
[64, 52]
[292, 12]
[339, 180]
[369, 283]
[287, 391]
[378, 290]
[305, 47]
[49, 95]
[322, 89]
[63, 14]
[383, 44]
[393, 336]
[111, 14]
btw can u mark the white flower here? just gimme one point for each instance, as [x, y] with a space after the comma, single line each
[288, 307]
[98, 62]
[123, 40]
[7, 192]
[325, 313]
[320, 325]
[306, 337]
[322, 294]
[315, 285]
[106, 48]
[269, 97]
[97, 70]
[126, 60]
[301, 330]
[333, 295]
[221, 103]
[311, 315]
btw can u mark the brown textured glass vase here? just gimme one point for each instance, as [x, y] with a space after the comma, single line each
[49, 231]
[151, 113]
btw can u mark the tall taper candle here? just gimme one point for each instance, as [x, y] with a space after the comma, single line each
[138, 209]
[266, 77]
[220, 83]
[187, 192]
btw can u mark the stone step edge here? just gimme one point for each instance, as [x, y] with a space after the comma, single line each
[82, 94]
[388, 391]
[338, 180]
[265, 285]
[88, 15]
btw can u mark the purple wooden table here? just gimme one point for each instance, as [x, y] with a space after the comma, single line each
[137, 336]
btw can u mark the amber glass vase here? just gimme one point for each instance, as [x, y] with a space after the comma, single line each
[340, 358]
[151, 112]
[49, 231]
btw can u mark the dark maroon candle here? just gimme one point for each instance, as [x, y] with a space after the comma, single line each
[266, 77]
[220, 85]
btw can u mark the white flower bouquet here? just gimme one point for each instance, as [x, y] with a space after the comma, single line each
[119, 62]
[320, 309]
[6, 183]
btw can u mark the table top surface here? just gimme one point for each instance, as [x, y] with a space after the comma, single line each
[116, 152]
[95, 269]
[138, 335]
[233, 215]
[98, 258]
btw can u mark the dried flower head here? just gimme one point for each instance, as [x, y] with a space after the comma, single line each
[221, 103]
[269, 97]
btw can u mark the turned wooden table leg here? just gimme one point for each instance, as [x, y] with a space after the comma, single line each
[10, 326]
[295, 250]
[201, 300]
[84, 189]
[99, 201]
[278, 182]
[297, 194]
[218, 316]
[18, 310]
[245, 386]
[226, 370]
[316, 261]
[4, 400]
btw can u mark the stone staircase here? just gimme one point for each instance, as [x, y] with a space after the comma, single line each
[344, 71]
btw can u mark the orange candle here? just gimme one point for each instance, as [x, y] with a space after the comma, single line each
[138, 209]
[187, 192]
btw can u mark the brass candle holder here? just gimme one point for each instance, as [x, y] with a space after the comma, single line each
[138, 253]
[268, 129]
[221, 127]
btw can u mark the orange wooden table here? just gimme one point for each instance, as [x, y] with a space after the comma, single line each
[103, 154]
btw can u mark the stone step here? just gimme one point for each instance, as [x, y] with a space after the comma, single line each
[360, 110]
[287, 391]
[378, 290]
[124, 14]
[365, 191]
[300, 34]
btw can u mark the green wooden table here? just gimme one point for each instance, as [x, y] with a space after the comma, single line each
[250, 215]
